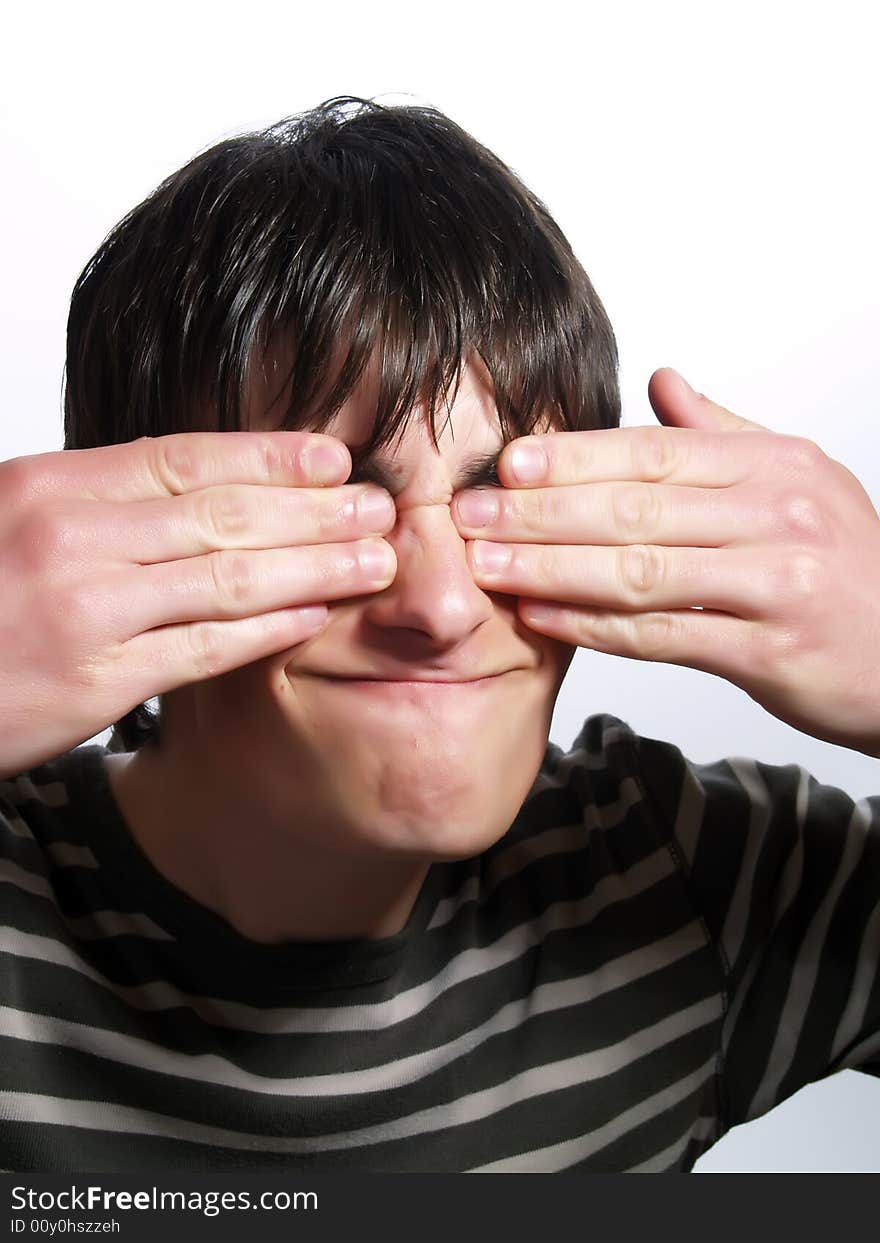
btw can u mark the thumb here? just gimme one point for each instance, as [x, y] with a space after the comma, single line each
[676, 404]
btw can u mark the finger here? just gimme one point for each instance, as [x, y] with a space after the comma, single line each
[621, 513]
[161, 660]
[637, 578]
[239, 583]
[677, 404]
[163, 466]
[230, 516]
[699, 639]
[676, 455]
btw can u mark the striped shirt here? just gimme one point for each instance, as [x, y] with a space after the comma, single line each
[654, 952]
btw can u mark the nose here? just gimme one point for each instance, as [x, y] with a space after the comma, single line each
[433, 594]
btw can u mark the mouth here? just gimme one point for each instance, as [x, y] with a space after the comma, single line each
[424, 690]
[439, 683]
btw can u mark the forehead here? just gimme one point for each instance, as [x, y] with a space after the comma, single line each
[466, 422]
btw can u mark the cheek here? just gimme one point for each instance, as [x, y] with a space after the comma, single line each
[553, 653]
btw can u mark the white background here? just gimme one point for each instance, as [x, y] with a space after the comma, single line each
[714, 167]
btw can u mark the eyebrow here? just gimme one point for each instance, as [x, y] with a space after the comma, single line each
[374, 468]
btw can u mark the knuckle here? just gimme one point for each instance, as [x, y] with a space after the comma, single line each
[800, 577]
[224, 514]
[174, 462]
[641, 570]
[547, 568]
[656, 636]
[277, 458]
[799, 515]
[533, 512]
[802, 456]
[513, 508]
[654, 457]
[636, 510]
[327, 568]
[205, 644]
[351, 565]
[333, 511]
[232, 578]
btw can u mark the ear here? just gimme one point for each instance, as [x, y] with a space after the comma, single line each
[676, 404]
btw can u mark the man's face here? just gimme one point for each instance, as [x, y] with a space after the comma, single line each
[416, 721]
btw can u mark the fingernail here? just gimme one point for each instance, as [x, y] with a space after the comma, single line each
[477, 508]
[376, 559]
[541, 613]
[313, 617]
[375, 507]
[324, 463]
[528, 462]
[491, 558]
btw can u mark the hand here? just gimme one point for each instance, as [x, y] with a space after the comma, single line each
[711, 542]
[132, 569]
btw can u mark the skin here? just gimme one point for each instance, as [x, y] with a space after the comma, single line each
[709, 542]
[300, 807]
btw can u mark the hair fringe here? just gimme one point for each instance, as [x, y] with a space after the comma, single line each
[350, 231]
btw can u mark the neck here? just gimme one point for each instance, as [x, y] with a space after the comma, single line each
[258, 862]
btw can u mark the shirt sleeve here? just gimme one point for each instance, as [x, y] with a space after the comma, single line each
[785, 873]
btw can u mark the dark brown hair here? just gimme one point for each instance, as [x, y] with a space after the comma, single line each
[350, 226]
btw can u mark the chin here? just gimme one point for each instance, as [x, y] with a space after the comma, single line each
[433, 776]
[444, 839]
[448, 834]
[444, 810]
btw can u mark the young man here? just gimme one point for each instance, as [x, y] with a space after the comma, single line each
[342, 907]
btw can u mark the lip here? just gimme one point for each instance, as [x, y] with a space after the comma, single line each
[420, 682]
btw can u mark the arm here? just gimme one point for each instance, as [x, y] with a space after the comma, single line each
[785, 872]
